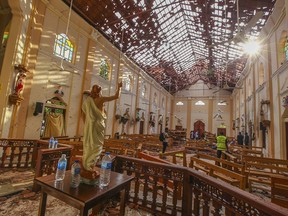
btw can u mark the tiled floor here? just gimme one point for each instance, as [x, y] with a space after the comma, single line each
[16, 200]
[16, 205]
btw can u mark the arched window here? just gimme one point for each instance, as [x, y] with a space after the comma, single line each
[282, 50]
[199, 103]
[104, 69]
[155, 98]
[261, 74]
[63, 47]
[163, 102]
[6, 35]
[5, 38]
[128, 83]
[144, 91]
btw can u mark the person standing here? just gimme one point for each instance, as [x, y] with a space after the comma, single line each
[191, 135]
[221, 144]
[240, 138]
[94, 117]
[196, 135]
[246, 139]
[165, 140]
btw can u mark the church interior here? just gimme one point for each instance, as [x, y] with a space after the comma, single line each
[200, 69]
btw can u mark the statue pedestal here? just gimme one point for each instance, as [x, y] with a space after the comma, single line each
[90, 177]
[15, 99]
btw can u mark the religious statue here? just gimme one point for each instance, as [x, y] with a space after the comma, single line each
[126, 116]
[160, 119]
[124, 119]
[16, 97]
[55, 115]
[94, 128]
[21, 75]
[58, 97]
[142, 117]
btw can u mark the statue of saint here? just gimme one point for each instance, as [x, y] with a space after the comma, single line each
[94, 127]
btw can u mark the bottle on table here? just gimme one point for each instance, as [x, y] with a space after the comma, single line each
[61, 168]
[105, 170]
[75, 174]
[56, 143]
[51, 142]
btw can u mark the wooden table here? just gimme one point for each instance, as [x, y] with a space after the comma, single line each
[84, 197]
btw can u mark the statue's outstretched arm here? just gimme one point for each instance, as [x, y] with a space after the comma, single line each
[114, 97]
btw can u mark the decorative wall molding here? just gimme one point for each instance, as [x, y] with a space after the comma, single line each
[249, 98]
[284, 93]
[280, 70]
[261, 87]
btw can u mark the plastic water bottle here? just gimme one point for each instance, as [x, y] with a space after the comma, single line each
[61, 168]
[105, 170]
[75, 174]
[56, 143]
[51, 142]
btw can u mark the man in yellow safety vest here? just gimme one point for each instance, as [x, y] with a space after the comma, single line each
[221, 144]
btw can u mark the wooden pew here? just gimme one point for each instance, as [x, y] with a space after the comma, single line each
[122, 143]
[279, 191]
[142, 155]
[260, 171]
[240, 152]
[234, 167]
[115, 148]
[176, 154]
[229, 157]
[233, 178]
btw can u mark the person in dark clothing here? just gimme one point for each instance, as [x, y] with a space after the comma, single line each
[192, 135]
[240, 139]
[165, 141]
[246, 139]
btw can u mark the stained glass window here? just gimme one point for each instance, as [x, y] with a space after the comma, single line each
[63, 47]
[104, 69]
[286, 48]
[5, 37]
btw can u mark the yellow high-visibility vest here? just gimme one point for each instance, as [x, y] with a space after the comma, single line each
[221, 142]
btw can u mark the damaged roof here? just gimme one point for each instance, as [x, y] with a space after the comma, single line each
[179, 42]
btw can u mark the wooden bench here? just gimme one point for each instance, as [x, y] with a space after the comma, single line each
[260, 171]
[142, 155]
[233, 178]
[116, 148]
[198, 149]
[240, 152]
[176, 154]
[279, 191]
[122, 143]
[234, 167]
[229, 157]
